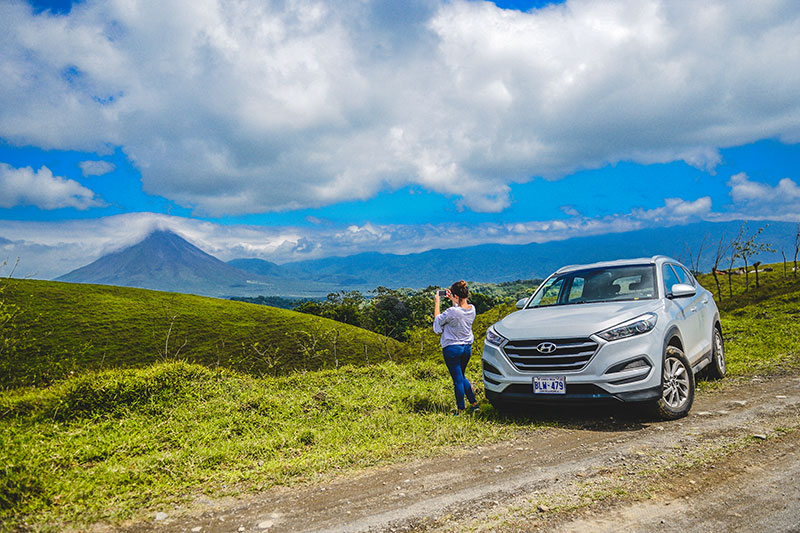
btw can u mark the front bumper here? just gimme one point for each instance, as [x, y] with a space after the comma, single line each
[603, 378]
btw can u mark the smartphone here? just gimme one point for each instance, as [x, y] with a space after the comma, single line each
[442, 294]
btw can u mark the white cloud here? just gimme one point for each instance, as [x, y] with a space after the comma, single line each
[96, 168]
[254, 106]
[25, 186]
[743, 190]
[677, 211]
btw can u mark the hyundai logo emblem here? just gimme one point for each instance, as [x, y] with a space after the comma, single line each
[546, 347]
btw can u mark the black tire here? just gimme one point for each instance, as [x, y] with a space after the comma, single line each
[677, 386]
[717, 368]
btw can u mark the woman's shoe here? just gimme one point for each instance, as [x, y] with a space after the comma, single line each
[475, 408]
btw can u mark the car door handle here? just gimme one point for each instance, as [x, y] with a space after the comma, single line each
[693, 309]
[705, 300]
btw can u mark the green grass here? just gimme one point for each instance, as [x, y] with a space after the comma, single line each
[91, 327]
[110, 444]
[761, 326]
[119, 443]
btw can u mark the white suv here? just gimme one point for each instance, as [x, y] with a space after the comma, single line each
[635, 330]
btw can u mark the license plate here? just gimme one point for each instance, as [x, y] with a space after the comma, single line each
[550, 385]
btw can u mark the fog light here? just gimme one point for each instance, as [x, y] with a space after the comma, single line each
[630, 365]
[639, 363]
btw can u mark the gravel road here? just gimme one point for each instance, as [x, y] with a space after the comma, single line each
[732, 465]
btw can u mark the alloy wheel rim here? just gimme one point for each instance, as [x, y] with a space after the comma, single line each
[720, 351]
[676, 383]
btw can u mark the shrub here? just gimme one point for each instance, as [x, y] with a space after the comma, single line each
[107, 392]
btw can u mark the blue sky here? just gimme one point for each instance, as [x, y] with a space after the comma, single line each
[289, 131]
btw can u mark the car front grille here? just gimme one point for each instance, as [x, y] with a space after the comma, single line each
[565, 354]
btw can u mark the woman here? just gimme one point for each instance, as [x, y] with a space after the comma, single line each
[455, 327]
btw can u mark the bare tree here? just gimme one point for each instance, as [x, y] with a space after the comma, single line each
[679, 257]
[171, 315]
[694, 262]
[386, 340]
[16, 264]
[334, 334]
[270, 357]
[796, 247]
[310, 341]
[722, 250]
[785, 266]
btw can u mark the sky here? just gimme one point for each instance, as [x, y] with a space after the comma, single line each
[299, 129]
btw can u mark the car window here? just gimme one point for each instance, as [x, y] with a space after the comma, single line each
[682, 274]
[670, 279]
[576, 289]
[597, 285]
[686, 276]
[548, 294]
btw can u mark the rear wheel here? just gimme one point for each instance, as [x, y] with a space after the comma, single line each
[677, 386]
[717, 368]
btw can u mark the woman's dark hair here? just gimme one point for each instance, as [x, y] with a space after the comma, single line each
[459, 288]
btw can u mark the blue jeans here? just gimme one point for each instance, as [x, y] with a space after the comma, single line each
[456, 358]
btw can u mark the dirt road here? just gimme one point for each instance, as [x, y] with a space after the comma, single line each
[732, 465]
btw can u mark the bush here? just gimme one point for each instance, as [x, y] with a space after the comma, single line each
[107, 392]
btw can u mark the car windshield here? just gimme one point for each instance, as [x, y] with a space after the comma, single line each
[631, 282]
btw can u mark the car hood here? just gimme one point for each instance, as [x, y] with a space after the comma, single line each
[570, 321]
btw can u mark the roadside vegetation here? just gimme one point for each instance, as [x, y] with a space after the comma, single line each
[121, 443]
[149, 407]
[761, 326]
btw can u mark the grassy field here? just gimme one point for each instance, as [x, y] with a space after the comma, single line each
[122, 443]
[761, 326]
[76, 328]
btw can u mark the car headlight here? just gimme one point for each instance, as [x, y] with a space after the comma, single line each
[637, 326]
[492, 337]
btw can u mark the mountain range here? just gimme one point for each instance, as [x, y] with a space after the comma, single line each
[164, 261]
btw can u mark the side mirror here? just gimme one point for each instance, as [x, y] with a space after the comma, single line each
[521, 303]
[681, 290]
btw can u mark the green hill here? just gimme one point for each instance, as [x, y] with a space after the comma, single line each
[76, 327]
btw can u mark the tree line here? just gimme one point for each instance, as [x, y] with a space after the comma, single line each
[397, 313]
[394, 313]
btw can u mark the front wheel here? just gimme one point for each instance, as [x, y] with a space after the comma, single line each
[677, 386]
[717, 368]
